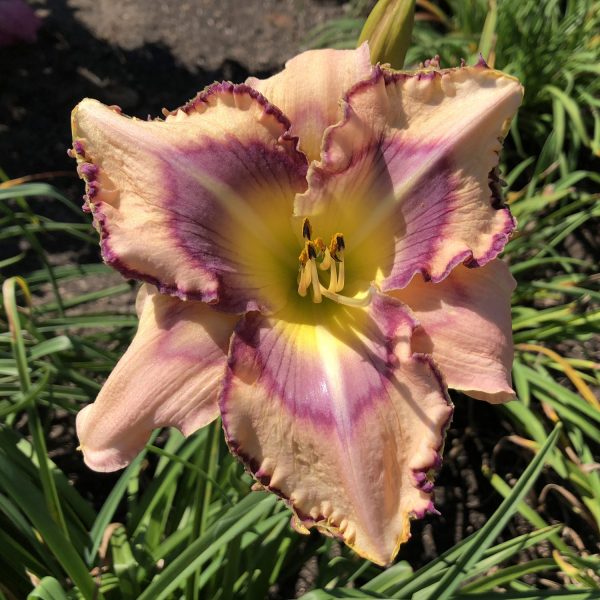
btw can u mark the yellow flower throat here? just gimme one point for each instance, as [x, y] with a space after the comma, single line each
[317, 256]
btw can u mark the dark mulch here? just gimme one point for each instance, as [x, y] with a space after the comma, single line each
[140, 55]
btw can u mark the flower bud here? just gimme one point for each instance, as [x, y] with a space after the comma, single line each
[388, 30]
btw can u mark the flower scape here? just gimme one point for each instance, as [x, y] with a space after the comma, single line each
[319, 257]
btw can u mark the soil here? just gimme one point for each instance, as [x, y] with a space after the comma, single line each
[142, 56]
[147, 55]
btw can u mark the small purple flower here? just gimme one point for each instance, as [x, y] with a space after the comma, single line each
[18, 22]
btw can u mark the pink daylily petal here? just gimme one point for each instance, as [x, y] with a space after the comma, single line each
[466, 327]
[310, 88]
[198, 204]
[330, 410]
[406, 176]
[169, 376]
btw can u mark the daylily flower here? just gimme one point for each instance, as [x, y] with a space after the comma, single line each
[319, 251]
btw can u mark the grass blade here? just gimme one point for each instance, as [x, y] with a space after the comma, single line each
[486, 535]
[29, 499]
[35, 424]
[109, 507]
[232, 524]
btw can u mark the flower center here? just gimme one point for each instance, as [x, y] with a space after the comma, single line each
[317, 256]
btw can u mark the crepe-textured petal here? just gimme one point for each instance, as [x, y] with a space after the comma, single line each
[409, 175]
[169, 376]
[196, 204]
[334, 413]
[466, 326]
[310, 89]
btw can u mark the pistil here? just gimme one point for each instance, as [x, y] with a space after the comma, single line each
[357, 301]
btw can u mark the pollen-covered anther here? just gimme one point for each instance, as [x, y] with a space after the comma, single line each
[308, 274]
[308, 264]
[336, 250]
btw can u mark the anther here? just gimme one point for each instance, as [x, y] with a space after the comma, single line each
[306, 229]
[303, 258]
[336, 245]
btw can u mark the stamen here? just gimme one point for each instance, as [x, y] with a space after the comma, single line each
[326, 260]
[333, 277]
[340, 278]
[308, 272]
[316, 254]
[336, 249]
[304, 276]
[337, 244]
[316, 284]
[304, 279]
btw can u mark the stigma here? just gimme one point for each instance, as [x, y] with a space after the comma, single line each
[317, 256]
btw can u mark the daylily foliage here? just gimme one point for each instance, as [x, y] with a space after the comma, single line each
[319, 257]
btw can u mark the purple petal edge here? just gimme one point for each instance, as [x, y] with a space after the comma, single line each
[239, 89]
[91, 172]
[499, 240]
[112, 259]
[424, 478]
